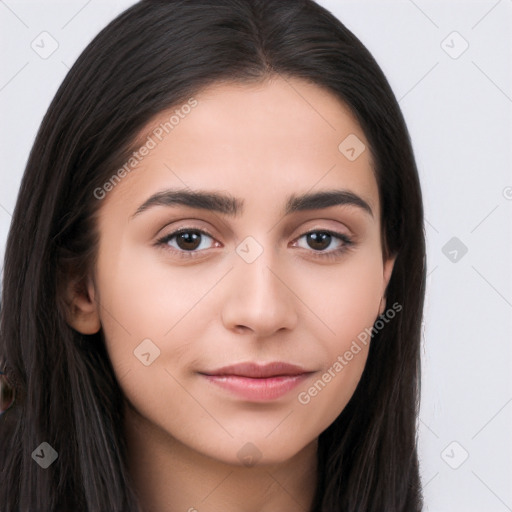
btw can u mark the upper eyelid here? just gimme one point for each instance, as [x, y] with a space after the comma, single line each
[186, 229]
[287, 231]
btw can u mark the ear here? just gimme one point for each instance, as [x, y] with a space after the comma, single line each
[389, 264]
[82, 311]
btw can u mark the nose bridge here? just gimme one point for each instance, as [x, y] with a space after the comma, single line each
[259, 285]
[257, 298]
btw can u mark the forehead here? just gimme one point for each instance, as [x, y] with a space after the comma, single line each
[261, 142]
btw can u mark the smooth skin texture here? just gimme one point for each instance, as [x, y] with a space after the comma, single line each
[298, 302]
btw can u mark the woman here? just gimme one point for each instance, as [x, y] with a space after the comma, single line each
[214, 278]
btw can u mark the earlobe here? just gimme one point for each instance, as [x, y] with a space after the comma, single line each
[82, 311]
[382, 306]
[388, 270]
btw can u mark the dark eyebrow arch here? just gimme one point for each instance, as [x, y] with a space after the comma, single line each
[214, 201]
[325, 199]
[229, 205]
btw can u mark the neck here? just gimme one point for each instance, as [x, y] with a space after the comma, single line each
[170, 477]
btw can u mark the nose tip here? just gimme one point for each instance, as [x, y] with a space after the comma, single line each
[257, 301]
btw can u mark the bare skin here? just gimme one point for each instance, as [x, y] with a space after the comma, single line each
[194, 445]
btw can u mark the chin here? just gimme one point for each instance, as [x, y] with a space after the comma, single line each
[256, 453]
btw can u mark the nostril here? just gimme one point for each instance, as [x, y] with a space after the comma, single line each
[241, 329]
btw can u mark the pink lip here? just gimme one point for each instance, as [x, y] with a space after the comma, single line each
[258, 382]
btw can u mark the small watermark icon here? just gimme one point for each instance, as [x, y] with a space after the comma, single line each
[249, 249]
[507, 193]
[454, 45]
[45, 45]
[45, 455]
[352, 147]
[454, 455]
[454, 249]
[146, 352]
[249, 454]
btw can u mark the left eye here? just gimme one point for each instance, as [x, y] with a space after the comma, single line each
[321, 240]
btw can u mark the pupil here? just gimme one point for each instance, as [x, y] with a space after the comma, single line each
[318, 240]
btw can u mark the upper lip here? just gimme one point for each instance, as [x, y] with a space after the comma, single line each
[259, 371]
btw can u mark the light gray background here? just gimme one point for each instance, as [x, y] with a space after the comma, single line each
[458, 108]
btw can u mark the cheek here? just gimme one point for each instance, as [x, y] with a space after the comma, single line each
[143, 295]
[144, 298]
[348, 304]
[346, 297]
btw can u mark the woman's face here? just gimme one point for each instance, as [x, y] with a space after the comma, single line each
[258, 277]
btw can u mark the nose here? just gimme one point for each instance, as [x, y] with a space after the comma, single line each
[259, 298]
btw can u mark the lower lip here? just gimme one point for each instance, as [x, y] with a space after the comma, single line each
[258, 390]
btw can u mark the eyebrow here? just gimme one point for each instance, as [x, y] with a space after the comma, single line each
[228, 205]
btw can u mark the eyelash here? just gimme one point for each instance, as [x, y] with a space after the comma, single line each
[348, 243]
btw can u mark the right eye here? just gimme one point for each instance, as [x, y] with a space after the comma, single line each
[187, 242]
